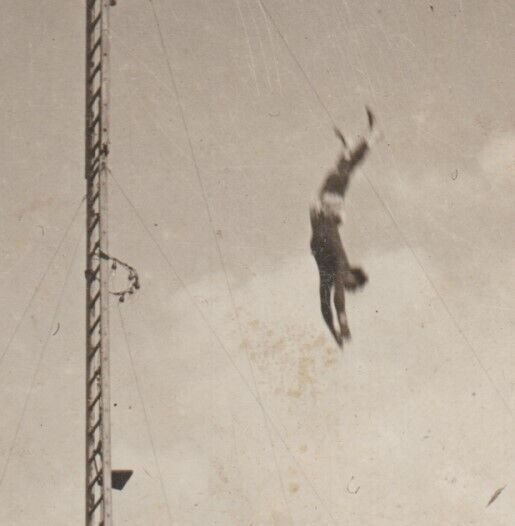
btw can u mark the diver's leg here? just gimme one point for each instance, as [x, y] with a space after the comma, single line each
[339, 303]
[326, 282]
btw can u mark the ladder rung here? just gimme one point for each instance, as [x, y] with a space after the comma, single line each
[94, 249]
[94, 48]
[92, 210]
[92, 173]
[95, 376]
[96, 120]
[94, 168]
[95, 452]
[94, 223]
[97, 478]
[91, 432]
[97, 346]
[95, 400]
[94, 97]
[95, 22]
[94, 299]
[94, 72]
[95, 325]
[95, 159]
[94, 351]
[94, 197]
[95, 506]
[95, 147]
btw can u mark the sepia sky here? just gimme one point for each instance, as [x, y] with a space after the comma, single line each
[230, 401]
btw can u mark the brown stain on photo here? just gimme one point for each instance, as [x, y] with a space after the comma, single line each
[293, 364]
[305, 379]
[293, 487]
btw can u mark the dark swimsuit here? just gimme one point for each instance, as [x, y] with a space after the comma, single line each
[326, 244]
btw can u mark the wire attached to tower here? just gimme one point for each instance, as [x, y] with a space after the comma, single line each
[132, 277]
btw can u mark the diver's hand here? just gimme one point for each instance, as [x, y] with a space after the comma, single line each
[340, 136]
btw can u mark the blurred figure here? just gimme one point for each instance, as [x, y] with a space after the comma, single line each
[336, 273]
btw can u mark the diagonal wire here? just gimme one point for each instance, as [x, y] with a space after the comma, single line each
[417, 259]
[40, 360]
[217, 244]
[296, 60]
[219, 251]
[145, 413]
[40, 282]
[395, 223]
[228, 355]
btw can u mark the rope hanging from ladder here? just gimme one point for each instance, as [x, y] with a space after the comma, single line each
[132, 277]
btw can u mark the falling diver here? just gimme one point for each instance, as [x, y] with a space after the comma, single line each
[326, 214]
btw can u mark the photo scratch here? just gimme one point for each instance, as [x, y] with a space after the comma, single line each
[250, 62]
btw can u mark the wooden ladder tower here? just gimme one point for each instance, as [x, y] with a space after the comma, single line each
[98, 418]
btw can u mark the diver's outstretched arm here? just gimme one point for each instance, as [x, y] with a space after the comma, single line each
[352, 157]
[375, 134]
[340, 136]
[371, 118]
[358, 153]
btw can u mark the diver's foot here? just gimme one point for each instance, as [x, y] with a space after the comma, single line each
[345, 332]
[344, 326]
